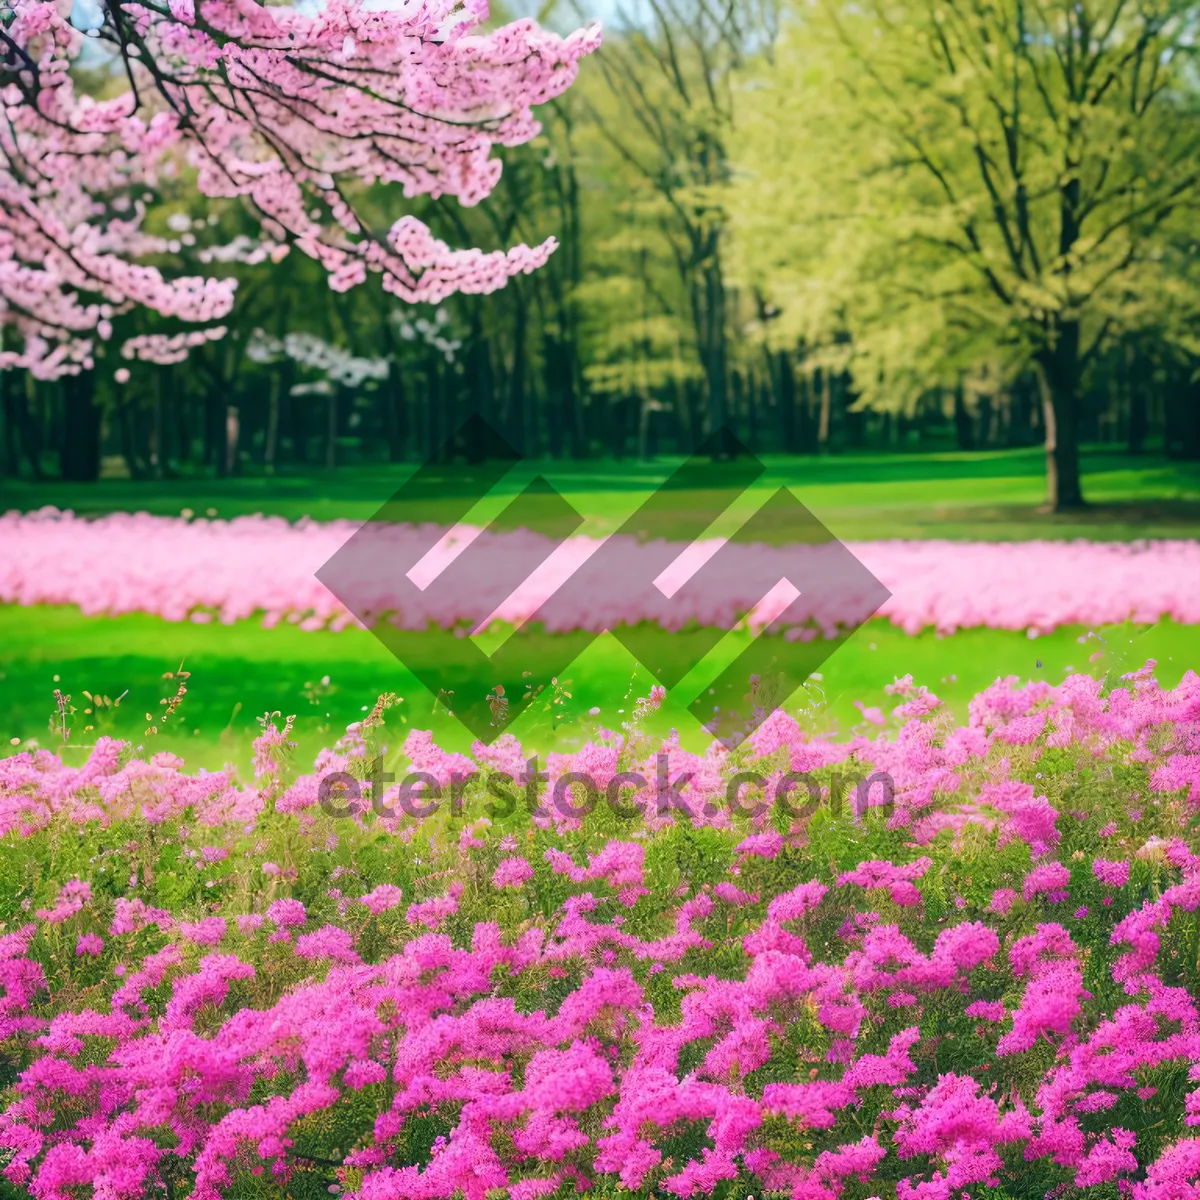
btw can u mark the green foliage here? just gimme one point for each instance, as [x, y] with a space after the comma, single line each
[945, 196]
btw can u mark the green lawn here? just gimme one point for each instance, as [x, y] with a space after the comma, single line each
[988, 495]
[241, 671]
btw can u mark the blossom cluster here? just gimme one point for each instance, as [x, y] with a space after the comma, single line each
[276, 106]
[312, 352]
[205, 981]
[231, 570]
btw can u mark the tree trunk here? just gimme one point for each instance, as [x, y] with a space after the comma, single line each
[1139, 422]
[19, 423]
[183, 427]
[397, 412]
[576, 444]
[1060, 378]
[298, 406]
[618, 419]
[754, 395]
[166, 424]
[986, 413]
[1182, 424]
[737, 399]
[10, 457]
[332, 427]
[271, 434]
[562, 414]
[715, 360]
[214, 430]
[1139, 426]
[962, 421]
[450, 405]
[80, 457]
[644, 427]
[683, 412]
[233, 426]
[786, 393]
[518, 417]
[555, 433]
[855, 419]
[433, 413]
[127, 432]
[1020, 414]
[12, 430]
[31, 429]
[805, 441]
[821, 383]
[157, 435]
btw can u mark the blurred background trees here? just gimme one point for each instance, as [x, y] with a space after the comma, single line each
[994, 196]
[832, 227]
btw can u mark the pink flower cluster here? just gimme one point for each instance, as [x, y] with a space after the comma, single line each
[200, 569]
[273, 105]
[687, 1005]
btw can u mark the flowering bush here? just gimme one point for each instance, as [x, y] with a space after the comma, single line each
[986, 988]
[230, 570]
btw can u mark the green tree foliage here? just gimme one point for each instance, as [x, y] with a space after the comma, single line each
[669, 118]
[828, 227]
[969, 191]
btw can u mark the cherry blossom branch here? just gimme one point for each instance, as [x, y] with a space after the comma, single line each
[286, 112]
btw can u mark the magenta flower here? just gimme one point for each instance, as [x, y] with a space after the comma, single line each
[72, 896]
[512, 873]
[208, 932]
[1113, 874]
[569, 1040]
[1049, 878]
[287, 913]
[327, 942]
[382, 898]
[89, 943]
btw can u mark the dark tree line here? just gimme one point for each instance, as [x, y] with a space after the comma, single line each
[222, 413]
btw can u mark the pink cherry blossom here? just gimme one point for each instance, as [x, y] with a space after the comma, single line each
[293, 112]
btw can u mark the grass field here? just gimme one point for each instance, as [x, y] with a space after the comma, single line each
[60, 673]
[986, 495]
[240, 672]
[438, 934]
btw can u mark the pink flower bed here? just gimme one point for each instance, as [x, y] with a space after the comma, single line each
[994, 987]
[229, 570]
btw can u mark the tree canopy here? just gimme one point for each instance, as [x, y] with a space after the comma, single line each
[744, 232]
[976, 188]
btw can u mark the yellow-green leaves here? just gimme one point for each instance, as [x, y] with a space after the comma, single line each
[942, 183]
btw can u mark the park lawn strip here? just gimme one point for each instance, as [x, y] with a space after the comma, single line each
[988, 496]
[239, 672]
